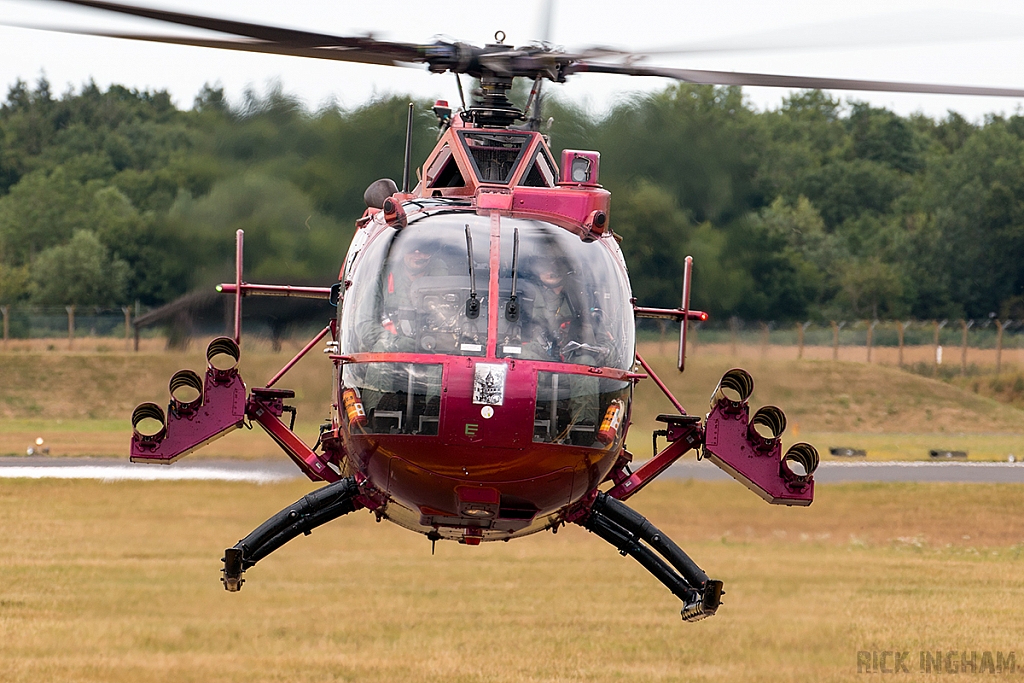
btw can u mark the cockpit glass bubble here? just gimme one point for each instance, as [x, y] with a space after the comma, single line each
[572, 299]
[410, 291]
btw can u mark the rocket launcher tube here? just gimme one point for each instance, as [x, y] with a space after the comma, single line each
[750, 450]
[191, 423]
[735, 388]
[181, 383]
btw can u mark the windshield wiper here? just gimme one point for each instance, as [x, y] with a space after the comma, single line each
[472, 304]
[512, 307]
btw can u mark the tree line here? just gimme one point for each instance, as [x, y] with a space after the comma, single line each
[818, 209]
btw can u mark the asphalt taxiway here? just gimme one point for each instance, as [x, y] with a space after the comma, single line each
[270, 471]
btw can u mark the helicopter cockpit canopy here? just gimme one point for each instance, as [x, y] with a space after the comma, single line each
[412, 292]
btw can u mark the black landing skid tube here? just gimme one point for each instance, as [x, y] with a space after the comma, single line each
[625, 528]
[301, 517]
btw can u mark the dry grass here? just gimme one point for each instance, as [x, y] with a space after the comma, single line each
[118, 582]
[80, 402]
[890, 413]
[828, 396]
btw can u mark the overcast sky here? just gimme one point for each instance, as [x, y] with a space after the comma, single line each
[913, 40]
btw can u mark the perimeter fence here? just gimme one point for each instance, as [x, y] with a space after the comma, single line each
[77, 328]
[961, 346]
[950, 345]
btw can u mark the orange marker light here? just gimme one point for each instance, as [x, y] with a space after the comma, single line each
[353, 408]
[611, 422]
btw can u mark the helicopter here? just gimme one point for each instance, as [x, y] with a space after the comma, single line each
[483, 356]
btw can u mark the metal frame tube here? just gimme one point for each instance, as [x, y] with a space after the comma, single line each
[305, 349]
[407, 166]
[684, 324]
[632, 484]
[661, 385]
[276, 290]
[239, 239]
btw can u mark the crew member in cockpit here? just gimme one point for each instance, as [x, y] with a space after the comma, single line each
[392, 328]
[559, 333]
[556, 317]
[395, 331]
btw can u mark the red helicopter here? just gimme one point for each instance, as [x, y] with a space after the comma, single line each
[483, 354]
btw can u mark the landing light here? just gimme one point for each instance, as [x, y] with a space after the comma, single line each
[580, 170]
[580, 167]
[475, 511]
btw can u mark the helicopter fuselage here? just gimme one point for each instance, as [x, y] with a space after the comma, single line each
[483, 377]
[486, 426]
[484, 362]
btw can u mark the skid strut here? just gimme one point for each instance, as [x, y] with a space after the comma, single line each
[301, 517]
[625, 528]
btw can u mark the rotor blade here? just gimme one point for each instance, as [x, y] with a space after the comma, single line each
[703, 77]
[400, 51]
[888, 30]
[340, 54]
[547, 14]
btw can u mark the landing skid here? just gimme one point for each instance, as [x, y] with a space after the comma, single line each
[301, 517]
[627, 530]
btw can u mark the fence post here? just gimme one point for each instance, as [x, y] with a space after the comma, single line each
[901, 328]
[138, 312]
[999, 344]
[935, 365]
[71, 326]
[800, 329]
[871, 334]
[965, 325]
[127, 327]
[765, 331]
[733, 326]
[835, 337]
[7, 326]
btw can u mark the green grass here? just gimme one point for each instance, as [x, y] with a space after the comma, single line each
[118, 582]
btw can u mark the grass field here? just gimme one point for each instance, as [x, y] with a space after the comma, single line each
[118, 582]
[80, 402]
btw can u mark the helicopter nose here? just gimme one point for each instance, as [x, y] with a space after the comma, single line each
[489, 404]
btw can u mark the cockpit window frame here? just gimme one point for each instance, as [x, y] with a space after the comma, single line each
[550, 179]
[445, 160]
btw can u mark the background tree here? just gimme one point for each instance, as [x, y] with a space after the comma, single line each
[818, 208]
[80, 273]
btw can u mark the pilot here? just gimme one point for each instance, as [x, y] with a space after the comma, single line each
[395, 331]
[393, 326]
[559, 334]
[556, 316]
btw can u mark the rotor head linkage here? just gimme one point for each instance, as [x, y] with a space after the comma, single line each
[491, 107]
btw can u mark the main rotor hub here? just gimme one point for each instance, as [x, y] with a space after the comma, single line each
[492, 108]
